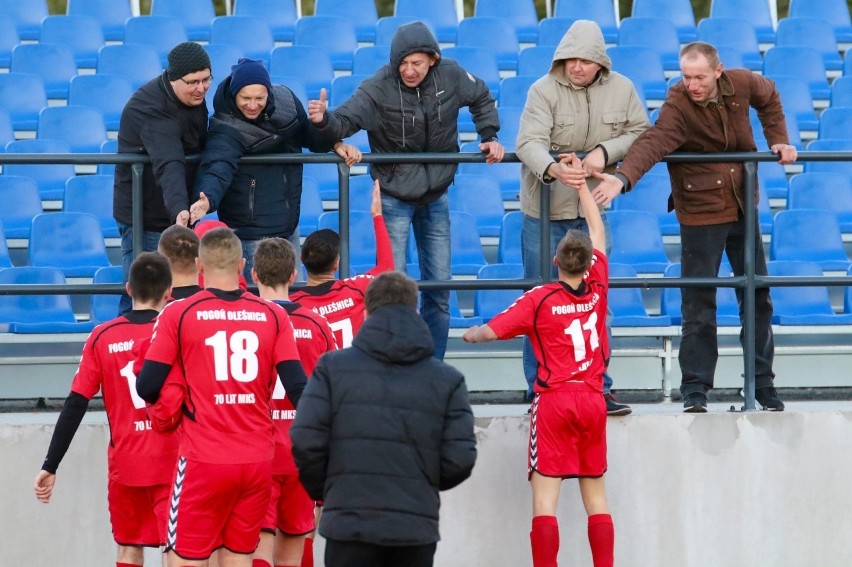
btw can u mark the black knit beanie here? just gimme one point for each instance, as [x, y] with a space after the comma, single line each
[249, 72]
[185, 58]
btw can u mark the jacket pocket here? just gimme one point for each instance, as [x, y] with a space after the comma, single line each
[615, 120]
[563, 130]
[704, 193]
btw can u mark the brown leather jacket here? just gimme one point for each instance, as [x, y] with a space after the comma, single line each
[709, 193]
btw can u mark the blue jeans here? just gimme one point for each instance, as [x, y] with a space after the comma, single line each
[249, 247]
[431, 225]
[530, 248]
[149, 244]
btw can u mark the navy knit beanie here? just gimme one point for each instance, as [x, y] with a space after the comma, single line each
[185, 58]
[249, 72]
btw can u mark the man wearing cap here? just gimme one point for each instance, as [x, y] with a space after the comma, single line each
[165, 119]
[254, 117]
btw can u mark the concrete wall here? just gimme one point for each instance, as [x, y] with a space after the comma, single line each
[721, 489]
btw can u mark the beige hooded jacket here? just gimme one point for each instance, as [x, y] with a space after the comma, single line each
[559, 116]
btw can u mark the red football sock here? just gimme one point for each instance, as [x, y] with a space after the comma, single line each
[544, 539]
[119, 564]
[260, 563]
[287, 566]
[601, 539]
[308, 553]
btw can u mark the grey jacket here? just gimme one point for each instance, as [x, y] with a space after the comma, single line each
[560, 116]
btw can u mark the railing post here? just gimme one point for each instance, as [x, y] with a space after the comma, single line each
[544, 219]
[749, 291]
[343, 215]
[136, 170]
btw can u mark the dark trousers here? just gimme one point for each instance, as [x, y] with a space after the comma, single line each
[357, 554]
[702, 248]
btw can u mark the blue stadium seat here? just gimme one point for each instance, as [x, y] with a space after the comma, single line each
[362, 13]
[509, 249]
[638, 241]
[600, 11]
[8, 40]
[835, 123]
[835, 11]
[678, 11]
[250, 34]
[535, 61]
[736, 33]
[111, 14]
[21, 202]
[108, 147]
[773, 178]
[847, 295]
[196, 15]
[5, 260]
[440, 15]
[756, 12]
[507, 174]
[311, 206]
[92, 194]
[489, 302]
[803, 62]
[360, 192]
[727, 308]
[841, 92]
[480, 196]
[108, 93]
[627, 305]
[552, 30]
[23, 96]
[82, 34]
[326, 177]
[281, 16]
[520, 13]
[760, 138]
[808, 305]
[651, 195]
[457, 320]
[386, 27]
[643, 66]
[370, 58]
[342, 88]
[809, 235]
[335, 34]
[496, 34]
[733, 59]
[37, 313]
[824, 191]
[50, 178]
[797, 100]
[139, 63]
[656, 33]
[513, 90]
[844, 167]
[362, 238]
[816, 33]
[27, 14]
[309, 63]
[223, 56]
[7, 131]
[81, 127]
[478, 61]
[510, 123]
[467, 256]
[104, 307]
[160, 32]
[53, 62]
[72, 242]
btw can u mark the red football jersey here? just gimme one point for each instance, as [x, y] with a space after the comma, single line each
[567, 329]
[313, 339]
[228, 344]
[137, 455]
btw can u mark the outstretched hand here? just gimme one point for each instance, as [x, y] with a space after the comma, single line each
[316, 108]
[376, 204]
[199, 208]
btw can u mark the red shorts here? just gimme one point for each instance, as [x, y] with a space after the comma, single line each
[216, 505]
[568, 433]
[138, 514]
[291, 510]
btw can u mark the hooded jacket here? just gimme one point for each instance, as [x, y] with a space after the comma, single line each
[562, 117]
[256, 201]
[156, 123]
[381, 428]
[402, 119]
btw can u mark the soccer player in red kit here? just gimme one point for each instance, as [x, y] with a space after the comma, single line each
[230, 343]
[179, 245]
[291, 510]
[341, 302]
[141, 462]
[565, 321]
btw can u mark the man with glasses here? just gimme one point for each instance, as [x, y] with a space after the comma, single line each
[165, 119]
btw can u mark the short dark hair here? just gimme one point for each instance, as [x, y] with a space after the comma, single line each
[150, 277]
[391, 288]
[220, 249]
[320, 251]
[180, 245]
[574, 253]
[700, 47]
[274, 261]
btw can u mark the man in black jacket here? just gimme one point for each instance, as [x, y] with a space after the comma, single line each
[165, 119]
[382, 427]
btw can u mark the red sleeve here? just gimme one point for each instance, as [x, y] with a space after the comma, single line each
[164, 343]
[599, 270]
[515, 320]
[88, 379]
[384, 251]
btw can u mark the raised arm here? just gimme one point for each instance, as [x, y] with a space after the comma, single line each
[384, 250]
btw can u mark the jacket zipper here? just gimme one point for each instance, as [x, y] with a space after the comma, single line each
[251, 196]
[426, 134]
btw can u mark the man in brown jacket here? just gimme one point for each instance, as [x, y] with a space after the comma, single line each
[708, 112]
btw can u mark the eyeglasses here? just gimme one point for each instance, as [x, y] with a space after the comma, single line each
[197, 83]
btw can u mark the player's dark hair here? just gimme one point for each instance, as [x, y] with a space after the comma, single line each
[220, 249]
[391, 288]
[574, 253]
[180, 245]
[274, 261]
[150, 277]
[320, 251]
[699, 47]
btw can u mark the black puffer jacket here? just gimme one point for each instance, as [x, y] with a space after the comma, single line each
[156, 123]
[257, 201]
[381, 428]
[398, 118]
